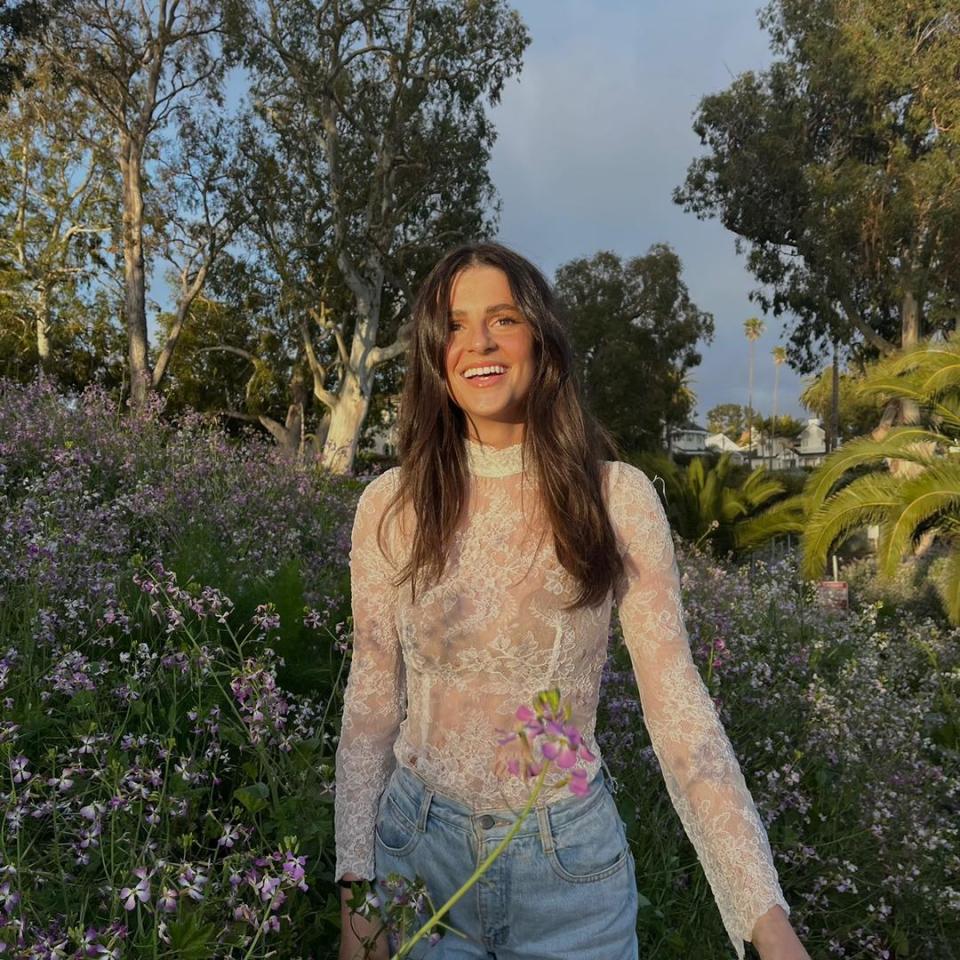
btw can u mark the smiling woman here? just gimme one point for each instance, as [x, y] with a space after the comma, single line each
[483, 569]
[490, 356]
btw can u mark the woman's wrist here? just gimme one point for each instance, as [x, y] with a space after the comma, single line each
[348, 883]
[774, 938]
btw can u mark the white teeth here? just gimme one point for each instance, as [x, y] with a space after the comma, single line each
[481, 371]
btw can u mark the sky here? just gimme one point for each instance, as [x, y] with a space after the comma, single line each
[593, 136]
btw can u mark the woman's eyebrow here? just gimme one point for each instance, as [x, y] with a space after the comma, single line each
[488, 311]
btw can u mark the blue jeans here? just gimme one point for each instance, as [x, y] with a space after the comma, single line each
[563, 889]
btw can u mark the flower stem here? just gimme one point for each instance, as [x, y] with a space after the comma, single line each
[472, 879]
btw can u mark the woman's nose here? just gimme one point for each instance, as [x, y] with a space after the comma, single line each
[482, 338]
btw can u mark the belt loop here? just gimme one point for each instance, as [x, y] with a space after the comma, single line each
[425, 801]
[546, 836]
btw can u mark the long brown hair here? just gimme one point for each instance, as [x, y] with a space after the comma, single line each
[562, 443]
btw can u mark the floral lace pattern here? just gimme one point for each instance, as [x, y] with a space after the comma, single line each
[431, 681]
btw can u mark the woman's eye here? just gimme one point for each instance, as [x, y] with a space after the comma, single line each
[508, 319]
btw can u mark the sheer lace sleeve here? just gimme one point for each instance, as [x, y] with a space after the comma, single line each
[374, 700]
[701, 772]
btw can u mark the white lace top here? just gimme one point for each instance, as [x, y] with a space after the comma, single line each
[430, 681]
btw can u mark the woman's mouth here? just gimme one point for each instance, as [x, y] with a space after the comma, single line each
[486, 379]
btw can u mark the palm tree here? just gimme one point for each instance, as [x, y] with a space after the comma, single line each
[753, 328]
[702, 502]
[779, 357]
[907, 505]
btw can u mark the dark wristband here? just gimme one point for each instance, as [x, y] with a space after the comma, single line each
[348, 884]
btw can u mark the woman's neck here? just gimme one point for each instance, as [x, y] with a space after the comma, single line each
[499, 436]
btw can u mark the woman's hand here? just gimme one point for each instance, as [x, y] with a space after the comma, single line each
[775, 939]
[355, 929]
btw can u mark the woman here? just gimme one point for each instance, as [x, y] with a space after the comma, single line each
[484, 569]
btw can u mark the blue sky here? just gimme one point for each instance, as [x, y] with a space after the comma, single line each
[596, 132]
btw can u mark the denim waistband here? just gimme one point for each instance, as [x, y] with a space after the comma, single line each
[493, 821]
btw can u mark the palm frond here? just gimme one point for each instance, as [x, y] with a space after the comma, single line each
[784, 516]
[896, 444]
[949, 587]
[867, 499]
[922, 499]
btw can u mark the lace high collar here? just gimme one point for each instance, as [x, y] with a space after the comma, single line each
[486, 461]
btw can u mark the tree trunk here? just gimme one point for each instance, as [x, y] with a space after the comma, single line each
[346, 421]
[902, 411]
[43, 327]
[141, 379]
[835, 401]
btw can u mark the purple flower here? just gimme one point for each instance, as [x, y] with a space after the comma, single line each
[140, 892]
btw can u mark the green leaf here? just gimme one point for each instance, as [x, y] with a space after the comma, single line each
[253, 797]
[190, 939]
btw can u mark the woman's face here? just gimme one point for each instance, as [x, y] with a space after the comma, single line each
[487, 330]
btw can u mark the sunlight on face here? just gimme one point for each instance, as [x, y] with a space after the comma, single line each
[487, 329]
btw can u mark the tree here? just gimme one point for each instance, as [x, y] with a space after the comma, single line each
[857, 413]
[839, 169]
[854, 486]
[138, 63]
[779, 357]
[386, 104]
[20, 23]
[727, 418]
[634, 330]
[708, 502]
[753, 329]
[782, 426]
[58, 204]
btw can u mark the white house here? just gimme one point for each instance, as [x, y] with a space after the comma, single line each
[774, 453]
[689, 438]
[812, 446]
[723, 444]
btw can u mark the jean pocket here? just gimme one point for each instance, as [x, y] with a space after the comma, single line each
[394, 830]
[591, 847]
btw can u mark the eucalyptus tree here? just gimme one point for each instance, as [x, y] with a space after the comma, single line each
[838, 168]
[21, 22]
[143, 64]
[380, 108]
[59, 204]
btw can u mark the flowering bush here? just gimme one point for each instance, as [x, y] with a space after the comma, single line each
[174, 638]
[847, 729]
[167, 792]
[156, 787]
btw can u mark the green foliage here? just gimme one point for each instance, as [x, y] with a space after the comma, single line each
[853, 487]
[708, 502]
[633, 323]
[839, 168]
[857, 413]
[821, 711]
[21, 21]
[727, 418]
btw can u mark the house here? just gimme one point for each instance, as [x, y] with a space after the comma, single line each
[689, 438]
[774, 453]
[811, 443]
[721, 443]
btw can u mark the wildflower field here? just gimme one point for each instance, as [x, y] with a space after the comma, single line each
[174, 643]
